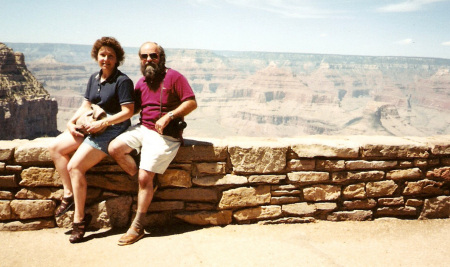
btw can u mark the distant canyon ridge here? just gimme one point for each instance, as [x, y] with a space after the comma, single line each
[261, 94]
[26, 109]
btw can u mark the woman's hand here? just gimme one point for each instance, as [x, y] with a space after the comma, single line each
[73, 130]
[95, 126]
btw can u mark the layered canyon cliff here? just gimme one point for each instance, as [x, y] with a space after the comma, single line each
[26, 109]
[276, 94]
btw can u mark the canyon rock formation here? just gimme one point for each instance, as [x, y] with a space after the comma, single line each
[276, 94]
[26, 110]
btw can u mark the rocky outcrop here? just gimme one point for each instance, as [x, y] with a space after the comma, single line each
[26, 110]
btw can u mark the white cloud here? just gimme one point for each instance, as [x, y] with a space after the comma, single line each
[288, 8]
[405, 42]
[446, 43]
[324, 35]
[212, 3]
[408, 6]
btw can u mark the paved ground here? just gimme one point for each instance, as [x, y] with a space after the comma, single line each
[378, 243]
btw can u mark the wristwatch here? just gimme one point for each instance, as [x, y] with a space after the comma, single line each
[170, 115]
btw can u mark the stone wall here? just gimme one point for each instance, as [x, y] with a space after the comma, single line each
[238, 181]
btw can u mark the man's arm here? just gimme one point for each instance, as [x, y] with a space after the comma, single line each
[185, 108]
[181, 111]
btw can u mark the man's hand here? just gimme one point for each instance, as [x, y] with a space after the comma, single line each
[162, 123]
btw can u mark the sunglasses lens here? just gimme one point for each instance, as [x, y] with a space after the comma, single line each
[152, 56]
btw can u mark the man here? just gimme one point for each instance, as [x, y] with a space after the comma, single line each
[157, 150]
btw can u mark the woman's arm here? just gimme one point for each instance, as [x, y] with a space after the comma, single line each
[86, 105]
[126, 113]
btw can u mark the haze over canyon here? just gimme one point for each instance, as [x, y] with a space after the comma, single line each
[262, 94]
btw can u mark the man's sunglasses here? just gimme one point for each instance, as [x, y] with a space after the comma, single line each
[152, 56]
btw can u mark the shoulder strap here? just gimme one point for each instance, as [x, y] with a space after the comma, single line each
[160, 98]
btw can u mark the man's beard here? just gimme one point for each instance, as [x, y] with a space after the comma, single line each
[153, 73]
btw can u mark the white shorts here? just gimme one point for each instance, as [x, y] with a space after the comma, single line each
[157, 151]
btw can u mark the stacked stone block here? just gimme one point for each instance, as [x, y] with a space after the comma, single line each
[220, 182]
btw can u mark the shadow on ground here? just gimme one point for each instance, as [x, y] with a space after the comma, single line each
[150, 231]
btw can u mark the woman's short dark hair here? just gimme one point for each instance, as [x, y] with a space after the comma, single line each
[109, 42]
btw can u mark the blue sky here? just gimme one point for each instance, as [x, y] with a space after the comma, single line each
[414, 28]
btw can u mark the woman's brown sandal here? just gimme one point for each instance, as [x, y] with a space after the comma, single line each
[79, 229]
[66, 204]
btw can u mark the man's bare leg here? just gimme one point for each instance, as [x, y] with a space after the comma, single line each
[120, 151]
[146, 192]
[145, 196]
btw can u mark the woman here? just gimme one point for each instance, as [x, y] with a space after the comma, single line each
[114, 92]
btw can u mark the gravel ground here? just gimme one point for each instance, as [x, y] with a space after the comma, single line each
[387, 242]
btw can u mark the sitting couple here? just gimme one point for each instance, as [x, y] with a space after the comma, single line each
[161, 95]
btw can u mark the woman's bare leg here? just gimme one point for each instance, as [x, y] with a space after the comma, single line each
[60, 149]
[84, 158]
